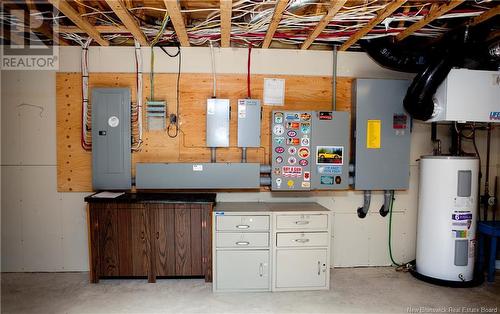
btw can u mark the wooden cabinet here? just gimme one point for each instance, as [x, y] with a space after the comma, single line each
[150, 240]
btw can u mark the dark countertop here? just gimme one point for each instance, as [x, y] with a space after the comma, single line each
[156, 198]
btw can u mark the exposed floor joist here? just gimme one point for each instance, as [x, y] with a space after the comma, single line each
[382, 15]
[335, 6]
[74, 16]
[128, 20]
[433, 14]
[226, 7]
[174, 11]
[103, 29]
[275, 21]
[485, 16]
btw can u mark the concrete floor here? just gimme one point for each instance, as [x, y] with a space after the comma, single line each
[353, 290]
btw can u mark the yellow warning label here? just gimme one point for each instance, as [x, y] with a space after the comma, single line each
[373, 130]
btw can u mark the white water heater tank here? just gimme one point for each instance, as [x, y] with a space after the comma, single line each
[447, 209]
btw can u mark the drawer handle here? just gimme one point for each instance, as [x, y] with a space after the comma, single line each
[242, 243]
[302, 222]
[242, 226]
[301, 240]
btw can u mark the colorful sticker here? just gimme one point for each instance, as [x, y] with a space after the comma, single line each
[278, 129]
[278, 117]
[279, 140]
[307, 176]
[459, 234]
[305, 127]
[305, 116]
[290, 183]
[399, 121]
[292, 150]
[292, 160]
[461, 219]
[292, 171]
[305, 141]
[327, 180]
[277, 171]
[293, 125]
[303, 152]
[325, 115]
[330, 169]
[279, 160]
[278, 182]
[291, 133]
[306, 184]
[303, 162]
[338, 180]
[279, 149]
[292, 116]
[330, 155]
[293, 141]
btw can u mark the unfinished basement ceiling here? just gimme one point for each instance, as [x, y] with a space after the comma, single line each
[294, 24]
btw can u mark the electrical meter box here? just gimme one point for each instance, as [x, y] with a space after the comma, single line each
[249, 116]
[111, 141]
[218, 115]
[381, 135]
[310, 150]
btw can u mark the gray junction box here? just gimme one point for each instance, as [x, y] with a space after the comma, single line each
[249, 116]
[218, 115]
[381, 134]
[310, 150]
[111, 141]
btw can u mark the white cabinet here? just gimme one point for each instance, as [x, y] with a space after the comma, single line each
[242, 270]
[301, 268]
[271, 247]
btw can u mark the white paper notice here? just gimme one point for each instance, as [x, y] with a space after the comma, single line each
[106, 194]
[274, 92]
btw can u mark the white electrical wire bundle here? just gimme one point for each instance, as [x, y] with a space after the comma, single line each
[86, 113]
[138, 108]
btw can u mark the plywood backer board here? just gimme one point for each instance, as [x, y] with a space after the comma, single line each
[74, 169]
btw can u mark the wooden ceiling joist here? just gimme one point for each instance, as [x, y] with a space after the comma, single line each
[381, 16]
[174, 11]
[74, 16]
[226, 7]
[335, 6]
[44, 28]
[433, 14]
[128, 20]
[103, 29]
[485, 16]
[275, 21]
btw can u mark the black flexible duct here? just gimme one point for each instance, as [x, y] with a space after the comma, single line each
[463, 47]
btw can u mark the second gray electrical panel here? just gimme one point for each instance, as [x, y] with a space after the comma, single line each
[249, 122]
[111, 139]
[218, 115]
[381, 134]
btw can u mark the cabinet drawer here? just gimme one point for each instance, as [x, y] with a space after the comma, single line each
[242, 270]
[242, 239]
[312, 221]
[300, 239]
[243, 223]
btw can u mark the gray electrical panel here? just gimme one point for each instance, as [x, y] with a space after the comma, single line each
[111, 139]
[249, 114]
[310, 150]
[218, 115]
[330, 142]
[197, 175]
[381, 134]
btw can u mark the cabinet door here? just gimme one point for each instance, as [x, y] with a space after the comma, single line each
[108, 239]
[164, 237]
[134, 240]
[242, 270]
[301, 268]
